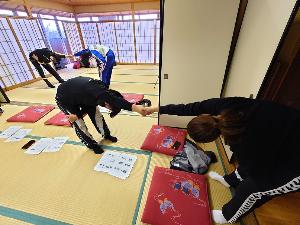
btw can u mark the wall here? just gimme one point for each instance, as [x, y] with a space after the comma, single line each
[262, 28]
[197, 38]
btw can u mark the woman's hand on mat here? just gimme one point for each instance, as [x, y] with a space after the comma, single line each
[72, 118]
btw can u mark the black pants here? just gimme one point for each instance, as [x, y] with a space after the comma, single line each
[251, 193]
[50, 69]
[80, 127]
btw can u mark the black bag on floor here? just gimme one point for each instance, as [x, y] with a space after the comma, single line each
[193, 159]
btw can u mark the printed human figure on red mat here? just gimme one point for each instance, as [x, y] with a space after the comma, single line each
[167, 208]
[188, 188]
[167, 142]
[39, 110]
[21, 115]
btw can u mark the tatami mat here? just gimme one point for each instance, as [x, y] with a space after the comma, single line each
[62, 187]
[130, 130]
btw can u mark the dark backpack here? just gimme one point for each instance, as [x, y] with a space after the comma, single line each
[193, 159]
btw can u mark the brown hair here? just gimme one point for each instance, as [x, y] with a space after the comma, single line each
[206, 128]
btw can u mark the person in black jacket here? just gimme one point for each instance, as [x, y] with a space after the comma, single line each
[264, 138]
[82, 95]
[44, 57]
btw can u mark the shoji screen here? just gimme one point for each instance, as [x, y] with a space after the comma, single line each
[107, 34]
[90, 33]
[73, 36]
[196, 41]
[53, 35]
[29, 35]
[124, 32]
[64, 37]
[13, 68]
[145, 41]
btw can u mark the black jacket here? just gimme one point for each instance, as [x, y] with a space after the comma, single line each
[46, 56]
[270, 144]
[81, 92]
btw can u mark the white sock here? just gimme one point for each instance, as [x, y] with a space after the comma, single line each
[218, 217]
[218, 177]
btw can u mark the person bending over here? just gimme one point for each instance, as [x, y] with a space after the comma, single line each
[44, 57]
[82, 95]
[90, 58]
[264, 138]
[110, 62]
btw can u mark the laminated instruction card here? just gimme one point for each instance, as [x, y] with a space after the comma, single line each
[14, 133]
[19, 135]
[47, 145]
[9, 131]
[116, 164]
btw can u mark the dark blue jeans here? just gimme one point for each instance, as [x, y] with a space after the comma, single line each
[106, 73]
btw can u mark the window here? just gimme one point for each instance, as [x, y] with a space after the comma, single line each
[29, 35]
[20, 13]
[47, 17]
[148, 16]
[6, 12]
[89, 33]
[13, 69]
[95, 18]
[84, 19]
[65, 18]
[108, 17]
[127, 17]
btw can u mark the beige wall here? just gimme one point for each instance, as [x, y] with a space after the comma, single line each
[197, 37]
[262, 28]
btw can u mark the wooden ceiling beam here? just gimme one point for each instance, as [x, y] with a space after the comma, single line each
[42, 4]
[27, 8]
[117, 7]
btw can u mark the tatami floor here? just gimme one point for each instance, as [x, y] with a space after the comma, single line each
[62, 187]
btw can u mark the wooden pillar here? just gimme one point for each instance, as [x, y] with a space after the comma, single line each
[20, 46]
[98, 32]
[80, 32]
[134, 37]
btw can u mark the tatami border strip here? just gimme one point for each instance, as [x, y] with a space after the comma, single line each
[29, 217]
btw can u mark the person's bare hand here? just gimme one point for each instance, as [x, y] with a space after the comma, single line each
[72, 57]
[72, 118]
[150, 110]
[139, 109]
